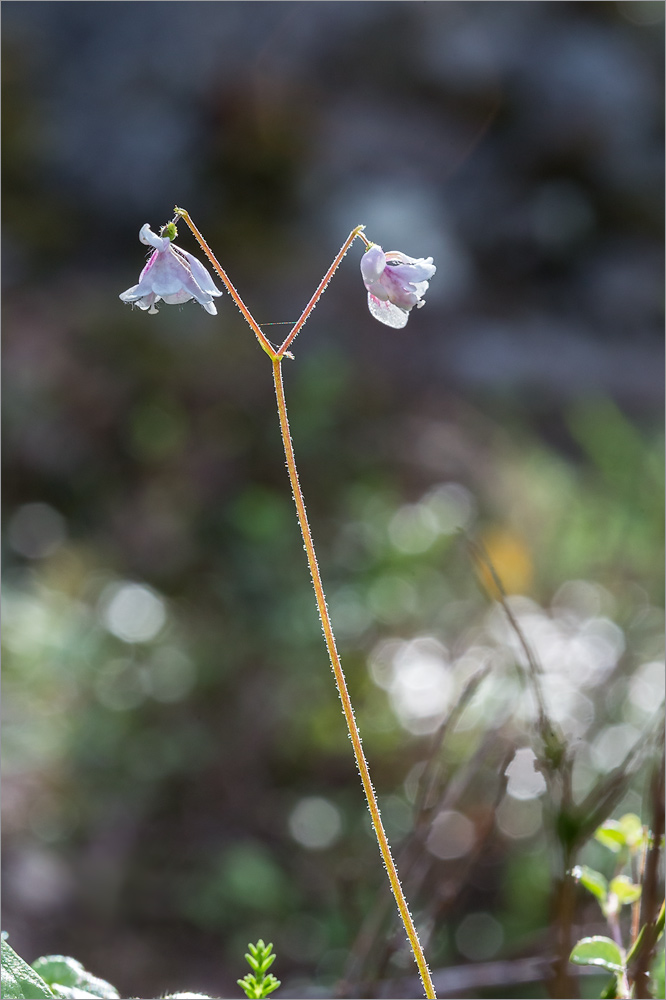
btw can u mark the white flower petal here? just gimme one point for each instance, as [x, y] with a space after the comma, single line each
[131, 295]
[201, 275]
[168, 274]
[412, 270]
[171, 275]
[380, 288]
[147, 236]
[395, 283]
[373, 263]
[387, 312]
[177, 298]
[147, 302]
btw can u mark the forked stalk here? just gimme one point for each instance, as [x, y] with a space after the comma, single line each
[276, 356]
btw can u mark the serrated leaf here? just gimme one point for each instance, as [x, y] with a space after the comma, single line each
[64, 973]
[598, 951]
[593, 881]
[625, 890]
[19, 981]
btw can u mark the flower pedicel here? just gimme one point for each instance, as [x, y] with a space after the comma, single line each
[395, 283]
[171, 274]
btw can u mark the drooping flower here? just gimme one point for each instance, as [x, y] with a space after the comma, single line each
[395, 283]
[172, 275]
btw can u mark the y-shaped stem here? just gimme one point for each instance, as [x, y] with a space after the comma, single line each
[276, 356]
[342, 688]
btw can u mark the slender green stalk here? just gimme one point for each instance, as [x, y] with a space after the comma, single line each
[276, 357]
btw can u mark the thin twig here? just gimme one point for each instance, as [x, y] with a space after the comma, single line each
[556, 769]
[546, 727]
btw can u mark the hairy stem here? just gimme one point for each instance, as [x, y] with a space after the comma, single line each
[320, 289]
[342, 686]
[247, 315]
[276, 357]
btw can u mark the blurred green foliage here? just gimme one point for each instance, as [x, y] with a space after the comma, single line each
[170, 766]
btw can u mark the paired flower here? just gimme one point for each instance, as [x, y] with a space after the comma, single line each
[395, 283]
[172, 275]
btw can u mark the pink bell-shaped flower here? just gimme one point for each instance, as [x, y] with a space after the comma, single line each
[172, 275]
[395, 283]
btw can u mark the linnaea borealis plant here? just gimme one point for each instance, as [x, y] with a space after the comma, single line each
[395, 283]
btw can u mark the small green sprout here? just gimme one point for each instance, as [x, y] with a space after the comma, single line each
[257, 984]
[626, 838]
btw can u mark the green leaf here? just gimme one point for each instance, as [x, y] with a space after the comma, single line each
[269, 984]
[64, 974]
[19, 981]
[257, 989]
[627, 832]
[625, 890]
[600, 951]
[593, 881]
[251, 987]
[611, 835]
[267, 962]
[633, 831]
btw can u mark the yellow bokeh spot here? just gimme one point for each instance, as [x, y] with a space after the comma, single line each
[511, 560]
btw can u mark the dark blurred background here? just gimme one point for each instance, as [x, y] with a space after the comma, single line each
[178, 778]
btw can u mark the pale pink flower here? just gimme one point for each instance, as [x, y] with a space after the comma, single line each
[395, 283]
[172, 275]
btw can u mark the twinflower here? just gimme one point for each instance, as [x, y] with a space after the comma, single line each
[172, 275]
[395, 283]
